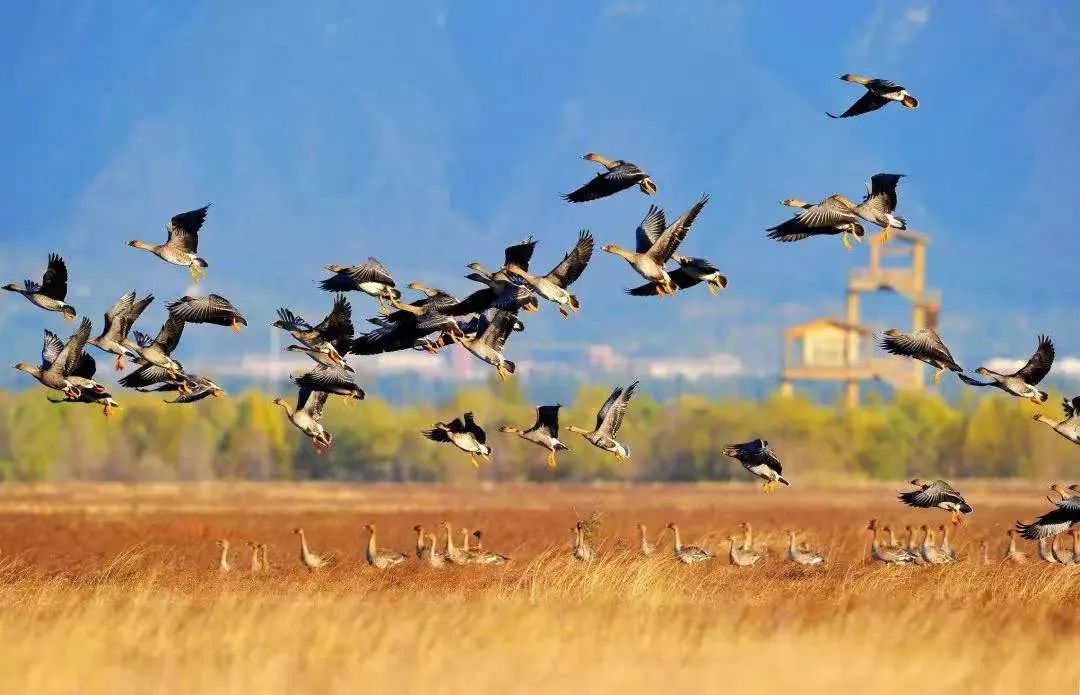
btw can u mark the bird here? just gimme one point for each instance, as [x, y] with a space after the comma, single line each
[465, 435]
[1022, 382]
[618, 176]
[932, 554]
[644, 546]
[105, 400]
[489, 340]
[82, 376]
[608, 421]
[759, 459]
[1064, 515]
[309, 559]
[377, 557]
[889, 556]
[420, 536]
[799, 555]
[256, 559]
[182, 245]
[50, 293]
[212, 308]
[688, 554]
[923, 344]
[502, 290]
[333, 380]
[582, 550]
[190, 389]
[879, 203]
[834, 215]
[946, 547]
[118, 322]
[453, 554]
[371, 277]
[691, 272]
[1070, 426]
[656, 244]
[335, 329]
[1011, 553]
[157, 351]
[60, 364]
[741, 557]
[552, 286]
[912, 545]
[223, 559]
[1065, 556]
[486, 557]
[436, 558]
[878, 93]
[544, 432]
[307, 417]
[939, 494]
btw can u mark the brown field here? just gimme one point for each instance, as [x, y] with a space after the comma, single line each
[115, 589]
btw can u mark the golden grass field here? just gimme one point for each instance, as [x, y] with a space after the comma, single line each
[115, 589]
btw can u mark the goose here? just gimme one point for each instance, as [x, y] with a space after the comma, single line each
[436, 558]
[691, 272]
[118, 321]
[191, 389]
[157, 351]
[552, 286]
[265, 553]
[946, 547]
[256, 561]
[336, 329]
[893, 541]
[223, 559]
[82, 376]
[490, 339]
[756, 457]
[582, 550]
[1022, 382]
[619, 176]
[1045, 553]
[465, 435]
[608, 421]
[932, 554]
[656, 244]
[939, 494]
[105, 400]
[1063, 555]
[213, 308]
[879, 203]
[64, 365]
[748, 537]
[924, 345]
[834, 215]
[453, 554]
[889, 556]
[544, 432]
[741, 557]
[309, 559]
[984, 549]
[51, 292]
[307, 417]
[182, 246]
[420, 536]
[878, 93]
[502, 291]
[801, 556]
[420, 321]
[644, 546]
[486, 557]
[333, 380]
[1070, 426]
[377, 557]
[688, 554]
[912, 545]
[1011, 553]
[372, 278]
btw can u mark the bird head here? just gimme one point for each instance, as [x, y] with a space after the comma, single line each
[793, 202]
[418, 528]
[298, 531]
[609, 248]
[22, 366]
[872, 526]
[670, 525]
[916, 482]
[924, 527]
[13, 287]
[279, 401]
[894, 333]
[369, 527]
[221, 543]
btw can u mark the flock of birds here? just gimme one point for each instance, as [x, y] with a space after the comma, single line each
[483, 321]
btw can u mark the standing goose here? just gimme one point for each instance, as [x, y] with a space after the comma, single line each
[946, 547]
[1063, 555]
[608, 422]
[912, 545]
[212, 308]
[656, 245]
[332, 380]
[688, 554]
[582, 550]
[932, 554]
[256, 559]
[336, 328]
[552, 286]
[878, 93]
[939, 494]
[223, 559]
[741, 557]
[801, 556]
[889, 556]
[51, 292]
[644, 546]
[490, 339]
[924, 345]
[61, 362]
[309, 559]
[307, 417]
[545, 432]
[465, 435]
[759, 459]
[1070, 426]
[377, 557]
[436, 558]
[879, 204]
[691, 271]
[834, 215]
[1022, 382]
[486, 557]
[118, 321]
[1011, 553]
[182, 246]
[372, 278]
[420, 536]
[453, 554]
[158, 351]
[619, 176]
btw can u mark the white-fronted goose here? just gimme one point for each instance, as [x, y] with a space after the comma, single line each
[61, 362]
[1070, 426]
[256, 557]
[688, 554]
[372, 278]
[465, 435]
[691, 272]
[932, 554]
[608, 421]
[924, 345]
[644, 546]
[335, 329]
[490, 339]
[912, 545]
[741, 557]
[483, 556]
[158, 350]
[1022, 382]
[937, 494]
[182, 246]
[51, 292]
[834, 215]
[309, 559]
[213, 308]
[332, 380]
[884, 554]
[879, 203]
[878, 93]
[118, 322]
[946, 546]
[307, 417]
[656, 244]
[1065, 515]
[756, 457]
[544, 432]
[377, 557]
[582, 550]
[552, 286]
[801, 556]
[223, 558]
[619, 176]
[453, 554]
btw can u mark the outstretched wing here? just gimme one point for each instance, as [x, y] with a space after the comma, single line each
[883, 187]
[606, 183]
[932, 495]
[184, 229]
[338, 323]
[212, 308]
[920, 344]
[650, 229]
[669, 241]
[573, 263]
[1039, 365]
[68, 359]
[614, 416]
[601, 415]
[169, 335]
[866, 103]
[372, 271]
[54, 281]
[520, 254]
[474, 429]
[498, 330]
[147, 375]
[437, 434]
[114, 317]
[1050, 524]
[50, 349]
[547, 419]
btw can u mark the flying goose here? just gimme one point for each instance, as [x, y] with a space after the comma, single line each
[1022, 382]
[691, 271]
[932, 554]
[1070, 426]
[939, 494]
[465, 435]
[332, 380]
[372, 278]
[924, 345]
[1065, 514]
[336, 328]
[759, 459]
[656, 244]
[212, 308]
[834, 215]
[545, 432]
[552, 286]
[688, 554]
[118, 322]
[377, 557]
[82, 376]
[51, 292]
[61, 362]
[182, 245]
[878, 93]
[879, 203]
[307, 417]
[490, 339]
[608, 421]
[619, 176]
[158, 350]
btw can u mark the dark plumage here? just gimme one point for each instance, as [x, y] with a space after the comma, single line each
[51, 292]
[1064, 516]
[212, 308]
[936, 494]
[878, 93]
[756, 457]
[1023, 381]
[923, 344]
[619, 176]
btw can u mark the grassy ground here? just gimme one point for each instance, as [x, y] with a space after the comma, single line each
[114, 589]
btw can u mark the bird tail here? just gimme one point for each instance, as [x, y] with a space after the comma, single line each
[1043, 396]
[201, 262]
[574, 303]
[782, 479]
[509, 366]
[559, 446]
[848, 77]
[395, 293]
[901, 223]
[965, 508]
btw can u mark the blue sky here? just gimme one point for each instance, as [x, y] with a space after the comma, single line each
[430, 134]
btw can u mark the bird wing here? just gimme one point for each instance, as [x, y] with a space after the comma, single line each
[194, 395]
[184, 229]
[520, 254]
[325, 379]
[883, 187]
[827, 213]
[338, 323]
[476, 303]
[866, 103]
[614, 416]
[1050, 524]
[169, 335]
[372, 271]
[606, 183]
[1039, 365]
[923, 343]
[133, 314]
[54, 281]
[669, 241]
[50, 348]
[86, 367]
[498, 329]
[68, 359]
[1071, 408]
[601, 415]
[547, 419]
[437, 434]
[650, 229]
[680, 277]
[474, 429]
[212, 308]
[932, 495]
[790, 230]
[574, 262]
[114, 317]
[973, 382]
[147, 375]
[313, 402]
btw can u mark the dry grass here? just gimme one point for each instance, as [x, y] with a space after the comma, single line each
[125, 599]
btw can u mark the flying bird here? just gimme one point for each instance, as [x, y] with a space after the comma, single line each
[212, 308]
[924, 345]
[64, 365]
[545, 432]
[939, 494]
[879, 203]
[190, 388]
[335, 329]
[51, 292]
[158, 350]
[608, 421]
[756, 457]
[465, 435]
[332, 380]
[878, 93]
[82, 376]
[656, 243]
[182, 246]
[372, 278]
[1022, 382]
[834, 215]
[1065, 515]
[490, 338]
[619, 176]
[1070, 426]
[691, 272]
[307, 417]
[552, 286]
[118, 321]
